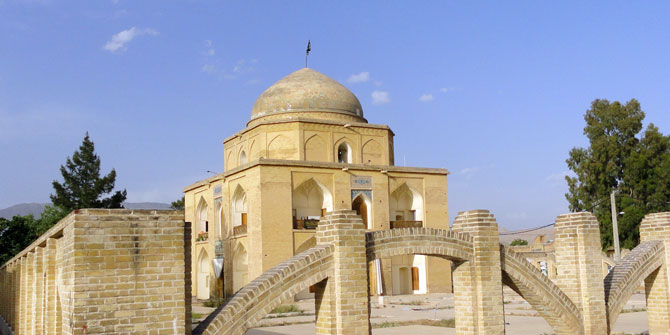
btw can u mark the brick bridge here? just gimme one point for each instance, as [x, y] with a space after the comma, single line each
[579, 301]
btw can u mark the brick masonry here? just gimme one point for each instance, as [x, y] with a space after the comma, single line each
[101, 271]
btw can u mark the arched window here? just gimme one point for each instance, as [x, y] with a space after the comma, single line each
[203, 224]
[344, 153]
[243, 158]
[239, 207]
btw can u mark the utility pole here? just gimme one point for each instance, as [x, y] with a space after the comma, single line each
[615, 228]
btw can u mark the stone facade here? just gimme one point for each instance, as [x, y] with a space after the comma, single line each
[102, 271]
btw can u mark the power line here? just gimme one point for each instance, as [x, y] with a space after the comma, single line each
[522, 231]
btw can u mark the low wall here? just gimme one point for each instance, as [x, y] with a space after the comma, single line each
[102, 271]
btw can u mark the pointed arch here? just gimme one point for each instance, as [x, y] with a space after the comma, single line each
[222, 229]
[311, 199]
[203, 272]
[344, 153]
[229, 160]
[254, 151]
[201, 213]
[372, 153]
[243, 157]
[239, 207]
[281, 147]
[315, 149]
[240, 266]
[406, 204]
[362, 204]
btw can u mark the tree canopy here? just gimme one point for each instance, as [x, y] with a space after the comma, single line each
[82, 186]
[620, 158]
[519, 241]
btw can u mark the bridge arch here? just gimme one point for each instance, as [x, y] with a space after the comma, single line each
[547, 298]
[260, 296]
[418, 241]
[540, 292]
[624, 278]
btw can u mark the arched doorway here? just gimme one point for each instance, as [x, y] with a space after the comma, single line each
[240, 267]
[203, 276]
[361, 205]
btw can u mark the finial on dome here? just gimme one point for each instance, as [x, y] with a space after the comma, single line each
[309, 48]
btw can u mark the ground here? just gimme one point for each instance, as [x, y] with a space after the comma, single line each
[520, 318]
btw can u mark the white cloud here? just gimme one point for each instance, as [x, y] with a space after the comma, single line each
[446, 89]
[118, 41]
[359, 78]
[426, 98]
[210, 49]
[468, 172]
[380, 97]
[378, 83]
[209, 68]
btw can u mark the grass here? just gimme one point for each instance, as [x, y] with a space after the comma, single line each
[285, 309]
[196, 316]
[413, 303]
[448, 323]
[633, 310]
[213, 302]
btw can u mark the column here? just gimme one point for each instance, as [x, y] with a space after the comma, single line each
[37, 321]
[343, 304]
[478, 300]
[579, 267]
[656, 227]
[50, 287]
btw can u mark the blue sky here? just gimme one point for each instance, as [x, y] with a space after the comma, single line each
[501, 87]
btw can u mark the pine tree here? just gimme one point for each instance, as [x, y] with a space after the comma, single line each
[82, 186]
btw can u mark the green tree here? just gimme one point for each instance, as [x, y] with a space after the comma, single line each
[519, 241]
[82, 186]
[15, 235]
[619, 158]
[179, 204]
[49, 217]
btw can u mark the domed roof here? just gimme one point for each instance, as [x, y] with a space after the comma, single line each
[306, 90]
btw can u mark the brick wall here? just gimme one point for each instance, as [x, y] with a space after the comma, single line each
[101, 271]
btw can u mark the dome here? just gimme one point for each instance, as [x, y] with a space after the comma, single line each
[309, 91]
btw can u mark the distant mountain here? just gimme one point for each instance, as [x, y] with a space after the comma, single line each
[33, 208]
[146, 205]
[36, 209]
